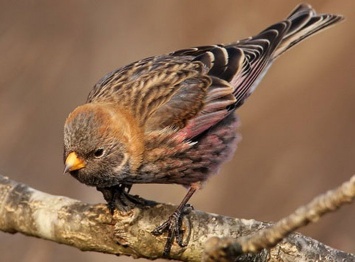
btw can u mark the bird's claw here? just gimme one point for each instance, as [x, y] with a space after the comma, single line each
[118, 197]
[173, 226]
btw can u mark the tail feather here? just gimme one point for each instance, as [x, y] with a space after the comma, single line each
[304, 23]
[262, 49]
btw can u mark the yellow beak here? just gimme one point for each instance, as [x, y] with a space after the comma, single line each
[73, 162]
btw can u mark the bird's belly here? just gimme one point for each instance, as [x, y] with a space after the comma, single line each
[196, 164]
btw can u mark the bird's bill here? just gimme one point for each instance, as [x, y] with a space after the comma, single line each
[73, 162]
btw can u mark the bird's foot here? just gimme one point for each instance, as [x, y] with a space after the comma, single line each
[173, 227]
[118, 197]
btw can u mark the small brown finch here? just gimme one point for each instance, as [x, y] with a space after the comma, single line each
[170, 119]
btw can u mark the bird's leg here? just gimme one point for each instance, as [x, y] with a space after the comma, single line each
[173, 224]
[118, 197]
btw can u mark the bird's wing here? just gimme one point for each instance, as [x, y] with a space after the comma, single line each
[233, 70]
[199, 85]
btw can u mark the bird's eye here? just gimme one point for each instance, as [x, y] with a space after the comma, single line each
[99, 153]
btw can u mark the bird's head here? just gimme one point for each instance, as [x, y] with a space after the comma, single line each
[97, 140]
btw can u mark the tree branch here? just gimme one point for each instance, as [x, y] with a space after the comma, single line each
[92, 227]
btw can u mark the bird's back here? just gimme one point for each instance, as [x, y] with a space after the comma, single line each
[196, 88]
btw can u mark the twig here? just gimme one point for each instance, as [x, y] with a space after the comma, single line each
[228, 249]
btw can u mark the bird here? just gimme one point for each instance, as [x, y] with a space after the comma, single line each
[170, 119]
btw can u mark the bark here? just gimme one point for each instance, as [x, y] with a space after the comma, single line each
[92, 227]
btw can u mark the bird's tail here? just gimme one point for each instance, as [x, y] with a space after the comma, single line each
[304, 22]
[262, 49]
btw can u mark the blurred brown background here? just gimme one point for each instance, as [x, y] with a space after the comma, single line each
[298, 128]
